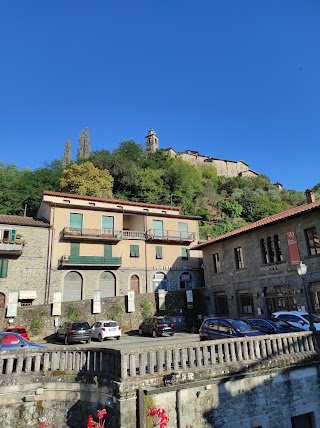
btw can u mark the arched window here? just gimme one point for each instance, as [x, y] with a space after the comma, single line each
[159, 282]
[72, 287]
[107, 284]
[186, 281]
[134, 284]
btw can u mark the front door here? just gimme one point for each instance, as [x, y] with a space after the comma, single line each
[134, 284]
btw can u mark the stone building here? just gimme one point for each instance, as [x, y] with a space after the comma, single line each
[23, 260]
[253, 269]
[227, 168]
[114, 246]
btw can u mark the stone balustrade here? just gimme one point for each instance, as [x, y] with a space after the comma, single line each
[215, 356]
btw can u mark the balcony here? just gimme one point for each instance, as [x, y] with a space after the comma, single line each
[106, 235]
[11, 248]
[133, 234]
[172, 236]
[90, 261]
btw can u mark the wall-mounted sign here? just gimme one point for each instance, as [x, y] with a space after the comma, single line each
[189, 295]
[96, 302]
[170, 267]
[12, 307]
[56, 305]
[293, 247]
[131, 304]
[162, 299]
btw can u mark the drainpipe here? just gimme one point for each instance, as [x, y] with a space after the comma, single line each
[178, 408]
[145, 252]
[49, 262]
[141, 408]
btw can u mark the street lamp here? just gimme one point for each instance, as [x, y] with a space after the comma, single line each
[302, 271]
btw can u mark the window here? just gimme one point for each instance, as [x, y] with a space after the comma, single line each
[75, 222]
[159, 282]
[4, 268]
[159, 252]
[74, 249]
[183, 230]
[305, 420]
[134, 251]
[8, 234]
[184, 253]
[157, 226]
[312, 241]
[271, 250]
[107, 251]
[239, 258]
[186, 282]
[222, 307]
[216, 263]
[245, 302]
[107, 225]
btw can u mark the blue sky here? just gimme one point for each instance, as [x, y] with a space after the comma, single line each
[233, 79]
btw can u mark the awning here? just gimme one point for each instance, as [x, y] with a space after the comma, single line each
[27, 294]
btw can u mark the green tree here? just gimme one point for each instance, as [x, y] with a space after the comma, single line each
[86, 179]
[66, 158]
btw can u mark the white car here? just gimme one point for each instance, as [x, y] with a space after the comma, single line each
[299, 319]
[105, 329]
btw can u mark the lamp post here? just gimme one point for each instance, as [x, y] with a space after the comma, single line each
[302, 271]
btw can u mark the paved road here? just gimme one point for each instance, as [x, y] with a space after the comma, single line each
[136, 341]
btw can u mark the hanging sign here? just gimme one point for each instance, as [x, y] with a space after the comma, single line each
[293, 247]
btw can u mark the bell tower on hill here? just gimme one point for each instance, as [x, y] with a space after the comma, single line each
[152, 142]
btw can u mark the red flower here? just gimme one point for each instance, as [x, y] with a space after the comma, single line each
[90, 421]
[101, 413]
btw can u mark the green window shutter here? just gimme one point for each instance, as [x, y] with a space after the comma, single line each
[183, 230]
[4, 268]
[74, 249]
[107, 251]
[184, 253]
[159, 252]
[157, 226]
[13, 235]
[134, 250]
[75, 221]
[107, 224]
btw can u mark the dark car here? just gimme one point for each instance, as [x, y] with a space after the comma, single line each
[74, 332]
[220, 328]
[272, 325]
[13, 341]
[157, 326]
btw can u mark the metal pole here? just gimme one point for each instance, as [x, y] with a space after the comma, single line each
[307, 294]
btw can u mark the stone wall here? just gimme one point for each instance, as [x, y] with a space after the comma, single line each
[40, 322]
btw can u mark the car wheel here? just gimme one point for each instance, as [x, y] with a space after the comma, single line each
[118, 337]
[66, 341]
[202, 338]
[140, 331]
[100, 338]
[154, 333]
[171, 334]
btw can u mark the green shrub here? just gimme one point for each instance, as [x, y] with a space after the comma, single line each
[73, 313]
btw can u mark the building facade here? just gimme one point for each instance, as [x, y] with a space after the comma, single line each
[23, 260]
[114, 246]
[253, 270]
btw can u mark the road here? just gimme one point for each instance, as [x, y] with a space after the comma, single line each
[135, 341]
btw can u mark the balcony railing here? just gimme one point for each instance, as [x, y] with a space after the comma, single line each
[13, 248]
[133, 234]
[90, 261]
[169, 235]
[92, 234]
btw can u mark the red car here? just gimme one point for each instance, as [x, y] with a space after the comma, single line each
[18, 329]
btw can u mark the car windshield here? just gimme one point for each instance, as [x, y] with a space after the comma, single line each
[281, 323]
[163, 321]
[314, 317]
[240, 325]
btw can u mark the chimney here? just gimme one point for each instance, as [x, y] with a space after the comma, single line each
[310, 196]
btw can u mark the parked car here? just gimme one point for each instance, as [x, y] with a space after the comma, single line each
[105, 329]
[220, 328]
[18, 329]
[13, 341]
[299, 319]
[157, 326]
[272, 325]
[74, 332]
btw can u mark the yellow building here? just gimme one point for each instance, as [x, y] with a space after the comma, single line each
[115, 246]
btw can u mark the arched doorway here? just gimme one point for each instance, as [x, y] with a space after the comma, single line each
[159, 282]
[107, 284]
[134, 284]
[72, 287]
[2, 300]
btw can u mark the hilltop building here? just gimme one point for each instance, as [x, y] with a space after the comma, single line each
[227, 168]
